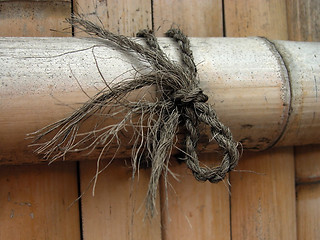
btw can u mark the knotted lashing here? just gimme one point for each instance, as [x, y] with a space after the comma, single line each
[180, 103]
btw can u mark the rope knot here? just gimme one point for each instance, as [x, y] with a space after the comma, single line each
[182, 103]
[186, 96]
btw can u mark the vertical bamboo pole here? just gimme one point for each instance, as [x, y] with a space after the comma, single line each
[35, 202]
[262, 206]
[308, 211]
[263, 201]
[195, 210]
[34, 199]
[303, 25]
[122, 17]
[307, 159]
[117, 210]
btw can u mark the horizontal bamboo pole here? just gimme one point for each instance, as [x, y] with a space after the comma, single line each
[267, 93]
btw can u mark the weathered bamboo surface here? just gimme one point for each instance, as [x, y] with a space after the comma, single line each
[265, 92]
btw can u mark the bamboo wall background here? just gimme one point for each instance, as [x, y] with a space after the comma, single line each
[282, 202]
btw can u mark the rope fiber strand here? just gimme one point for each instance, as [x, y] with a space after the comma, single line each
[180, 104]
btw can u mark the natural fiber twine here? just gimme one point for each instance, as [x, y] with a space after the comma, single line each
[180, 103]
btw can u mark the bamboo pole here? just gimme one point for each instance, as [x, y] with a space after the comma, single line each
[246, 80]
[303, 67]
[262, 202]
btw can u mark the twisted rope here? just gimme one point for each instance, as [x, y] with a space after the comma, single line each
[192, 107]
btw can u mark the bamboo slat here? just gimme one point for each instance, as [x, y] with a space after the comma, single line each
[262, 206]
[194, 210]
[303, 20]
[308, 211]
[263, 196]
[256, 18]
[34, 19]
[35, 202]
[117, 210]
[195, 18]
[35, 199]
[125, 17]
